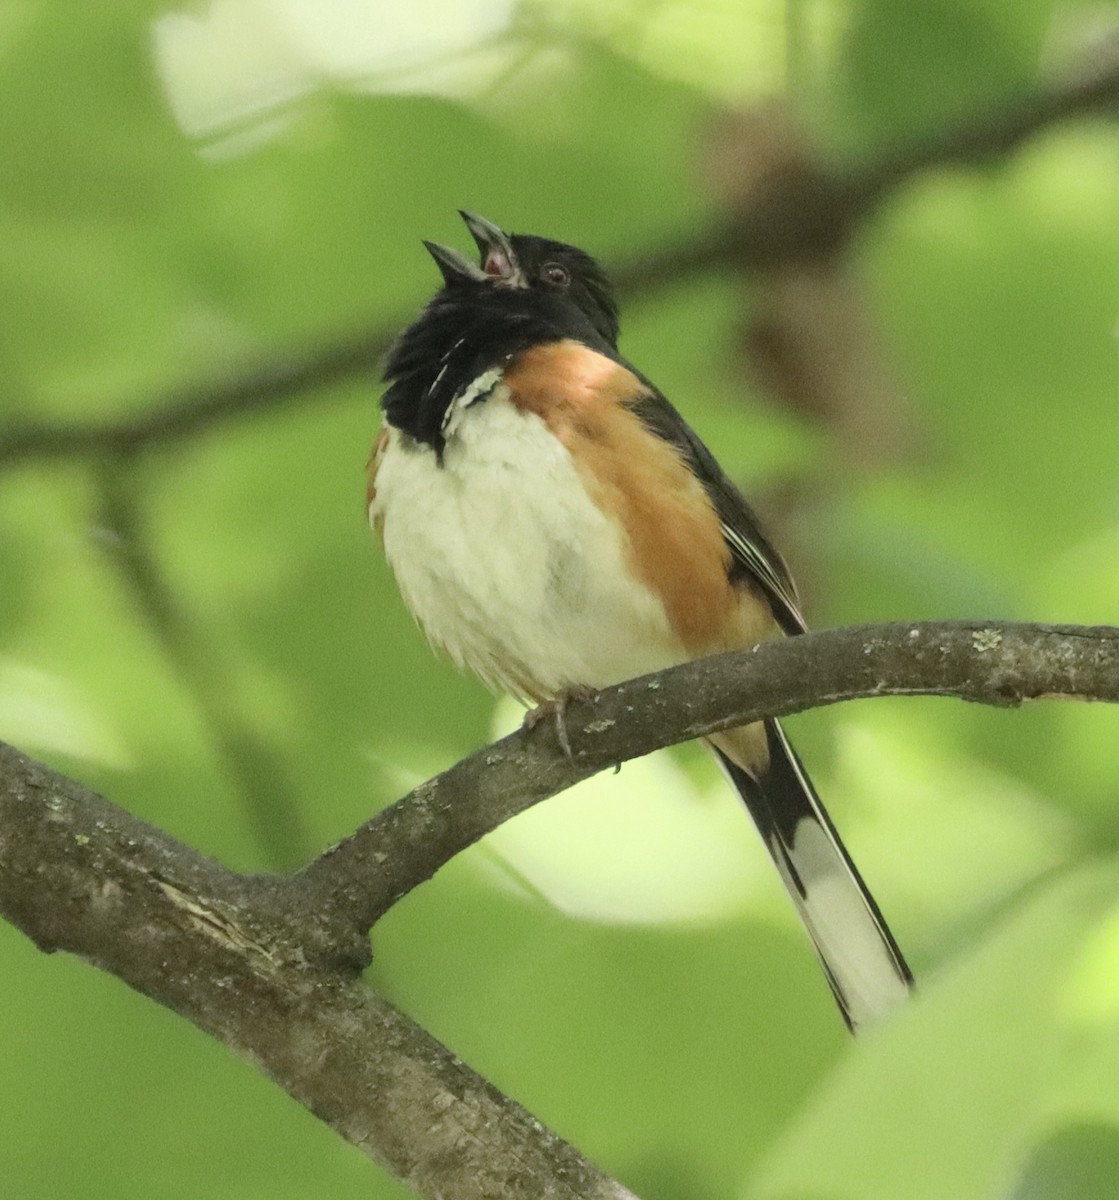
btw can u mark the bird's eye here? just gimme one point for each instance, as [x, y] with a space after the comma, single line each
[554, 274]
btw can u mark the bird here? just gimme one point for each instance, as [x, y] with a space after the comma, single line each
[556, 527]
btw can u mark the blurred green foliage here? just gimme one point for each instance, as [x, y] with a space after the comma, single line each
[206, 632]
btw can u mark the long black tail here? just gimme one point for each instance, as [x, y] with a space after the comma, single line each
[861, 960]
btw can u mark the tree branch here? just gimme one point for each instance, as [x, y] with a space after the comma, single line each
[180, 415]
[230, 953]
[994, 663]
[269, 965]
[805, 213]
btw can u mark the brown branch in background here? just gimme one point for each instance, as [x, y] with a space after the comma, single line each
[809, 213]
[261, 389]
[269, 965]
[804, 215]
[810, 342]
[1094, 91]
[806, 339]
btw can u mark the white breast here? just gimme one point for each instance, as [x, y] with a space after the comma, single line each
[505, 562]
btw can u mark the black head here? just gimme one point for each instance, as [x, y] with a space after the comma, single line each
[523, 292]
[553, 273]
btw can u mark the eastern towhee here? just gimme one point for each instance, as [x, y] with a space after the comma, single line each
[555, 526]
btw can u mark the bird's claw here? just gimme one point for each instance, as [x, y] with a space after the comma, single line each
[557, 710]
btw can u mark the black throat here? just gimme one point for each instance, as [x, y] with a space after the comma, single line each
[464, 331]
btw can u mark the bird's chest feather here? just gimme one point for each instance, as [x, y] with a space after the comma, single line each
[506, 561]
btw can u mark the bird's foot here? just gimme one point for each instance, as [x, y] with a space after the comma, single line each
[556, 710]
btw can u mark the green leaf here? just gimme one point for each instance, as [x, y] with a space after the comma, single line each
[971, 1067]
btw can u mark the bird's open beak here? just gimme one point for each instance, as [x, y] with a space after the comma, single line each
[499, 261]
[456, 267]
